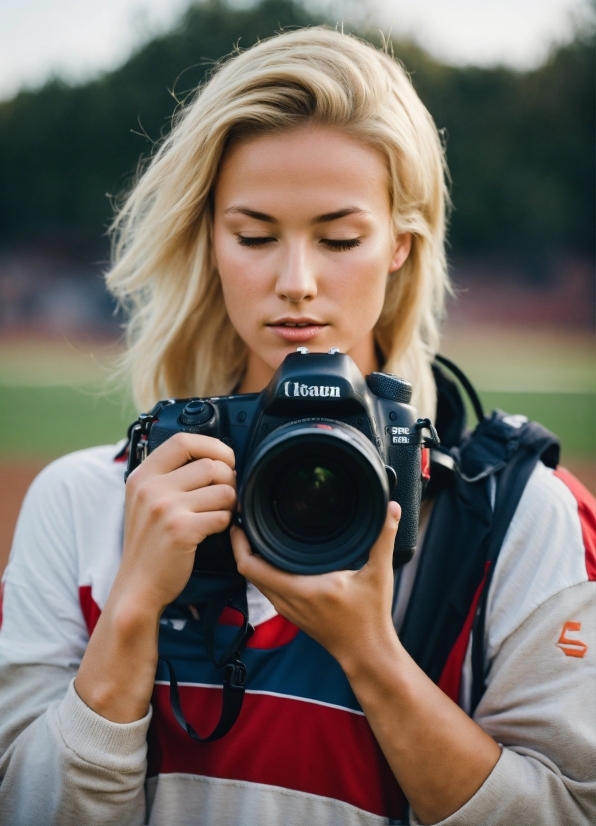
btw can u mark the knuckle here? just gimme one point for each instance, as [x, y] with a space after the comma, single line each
[222, 520]
[175, 525]
[225, 474]
[215, 521]
[208, 466]
[142, 489]
[242, 566]
[228, 494]
[179, 440]
[160, 508]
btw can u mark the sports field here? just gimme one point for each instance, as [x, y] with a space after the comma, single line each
[55, 397]
[549, 375]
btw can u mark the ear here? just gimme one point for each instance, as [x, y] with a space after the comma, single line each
[401, 251]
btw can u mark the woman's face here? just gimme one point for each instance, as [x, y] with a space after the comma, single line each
[303, 242]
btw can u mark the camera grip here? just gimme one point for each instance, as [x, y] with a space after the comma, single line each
[405, 460]
[215, 555]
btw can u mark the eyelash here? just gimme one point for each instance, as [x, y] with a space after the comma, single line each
[245, 241]
[336, 245]
[340, 245]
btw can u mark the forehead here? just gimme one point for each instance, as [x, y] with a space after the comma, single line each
[309, 164]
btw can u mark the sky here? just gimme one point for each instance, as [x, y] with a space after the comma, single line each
[76, 39]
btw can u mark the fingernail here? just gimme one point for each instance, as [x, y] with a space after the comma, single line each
[394, 510]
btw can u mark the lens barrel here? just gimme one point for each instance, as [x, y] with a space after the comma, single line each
[315, 497]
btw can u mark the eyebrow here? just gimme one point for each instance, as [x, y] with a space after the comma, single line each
[319, 219]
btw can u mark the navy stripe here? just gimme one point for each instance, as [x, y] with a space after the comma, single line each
[302, 668]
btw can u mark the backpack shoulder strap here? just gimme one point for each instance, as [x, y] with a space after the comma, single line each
[536, 443]
[473, 507]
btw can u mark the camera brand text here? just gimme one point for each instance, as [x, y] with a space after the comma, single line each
[294, 388]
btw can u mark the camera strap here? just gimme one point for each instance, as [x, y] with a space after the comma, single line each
[234, 670]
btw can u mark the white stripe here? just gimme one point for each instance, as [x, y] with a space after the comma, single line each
[176, 798]
[271, 694]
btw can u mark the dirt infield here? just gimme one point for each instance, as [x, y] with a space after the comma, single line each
[15, 478]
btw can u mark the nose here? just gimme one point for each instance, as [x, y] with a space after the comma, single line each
[296, 278]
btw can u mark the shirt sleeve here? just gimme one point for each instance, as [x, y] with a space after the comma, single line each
[540, 646]
[539, 705]
[60, 762]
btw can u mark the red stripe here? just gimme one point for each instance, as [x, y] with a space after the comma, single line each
[91, 611]
[425, 463]
[586, 508]
[450, 679]
[269, 634]
[280, 742]
[229, 616]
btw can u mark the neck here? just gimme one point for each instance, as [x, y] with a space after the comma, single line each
[259, 372]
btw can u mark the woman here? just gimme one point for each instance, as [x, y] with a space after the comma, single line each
[299, 199]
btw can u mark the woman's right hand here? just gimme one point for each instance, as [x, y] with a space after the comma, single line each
[184, 491]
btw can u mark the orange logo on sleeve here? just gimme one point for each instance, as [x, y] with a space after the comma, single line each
[571, 647]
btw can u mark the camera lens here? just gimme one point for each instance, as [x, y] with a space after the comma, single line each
[313, 501]
[313, 497]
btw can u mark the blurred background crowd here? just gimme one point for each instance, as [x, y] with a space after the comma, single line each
[518, 121]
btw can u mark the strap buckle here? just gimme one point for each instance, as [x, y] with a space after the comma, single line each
[234, 675]
[432, 440]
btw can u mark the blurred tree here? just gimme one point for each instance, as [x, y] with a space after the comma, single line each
[520, 145]
[520, 148]
[62, 148]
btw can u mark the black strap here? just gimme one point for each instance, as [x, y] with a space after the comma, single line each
[234, 675]
[234, 683]
[510, 487]
[466, 384]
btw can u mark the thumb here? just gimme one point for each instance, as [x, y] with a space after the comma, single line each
[382, 550]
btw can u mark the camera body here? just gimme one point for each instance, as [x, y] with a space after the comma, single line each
[319, 453]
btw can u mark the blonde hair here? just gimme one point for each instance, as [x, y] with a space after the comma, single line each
[181, 341]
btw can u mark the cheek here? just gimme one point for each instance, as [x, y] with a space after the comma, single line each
[360, 290]
[241, 281]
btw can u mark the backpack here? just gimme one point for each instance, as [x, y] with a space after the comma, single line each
[477, 481]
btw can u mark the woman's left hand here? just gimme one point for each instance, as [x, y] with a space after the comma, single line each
[347, 612]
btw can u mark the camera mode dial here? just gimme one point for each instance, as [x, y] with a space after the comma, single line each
[390, 387]
[196, 413]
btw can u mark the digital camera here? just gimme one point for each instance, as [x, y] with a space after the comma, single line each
[319, 454]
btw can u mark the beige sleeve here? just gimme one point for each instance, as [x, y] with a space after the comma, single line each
[540, 705]
[62, 764]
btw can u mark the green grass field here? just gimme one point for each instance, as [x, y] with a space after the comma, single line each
[51, 400]
[44, 422]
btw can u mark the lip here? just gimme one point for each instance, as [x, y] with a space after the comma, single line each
[296, 334]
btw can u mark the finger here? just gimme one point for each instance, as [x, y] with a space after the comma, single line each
[182, 448]
[210, 498]
[382, 550]
[256, 569]
[198, 526]
[202, 472]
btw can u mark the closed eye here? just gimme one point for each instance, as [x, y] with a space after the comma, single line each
[338, 245]
[256, 241]
[335, 244]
